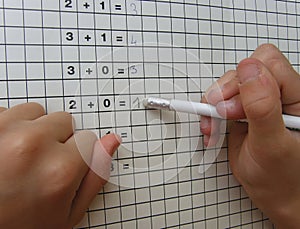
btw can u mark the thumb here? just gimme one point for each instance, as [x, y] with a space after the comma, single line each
[96, 177]
[260, 98]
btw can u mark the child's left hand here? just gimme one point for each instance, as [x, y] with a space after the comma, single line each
[45, 177]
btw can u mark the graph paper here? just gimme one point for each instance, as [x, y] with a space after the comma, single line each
[98, 59]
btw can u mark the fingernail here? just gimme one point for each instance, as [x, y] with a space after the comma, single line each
[248, 73]
[119, 138]
[224, 106]
[101, 161]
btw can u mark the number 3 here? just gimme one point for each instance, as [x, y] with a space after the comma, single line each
[69, 36]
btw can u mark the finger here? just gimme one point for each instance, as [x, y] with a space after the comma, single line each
[25, 111]
[210, 128]
[81, 148]
[225, 88]
[286, 77]
[237, 131]
[58, 124]
[260, 97]
[96, 177]
[231, 108]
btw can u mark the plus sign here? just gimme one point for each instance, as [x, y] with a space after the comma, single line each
[86, 5]
[91, 105]
[87, 37]
[89, 71]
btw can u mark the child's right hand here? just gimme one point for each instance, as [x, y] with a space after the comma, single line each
[263, 154]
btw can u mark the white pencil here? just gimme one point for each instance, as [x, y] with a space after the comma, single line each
[292, 122]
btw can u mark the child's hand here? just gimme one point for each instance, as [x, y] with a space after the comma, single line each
[264, 155]
[44, 181]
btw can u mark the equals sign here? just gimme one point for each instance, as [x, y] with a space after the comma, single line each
[118, 7]
[124, 135]
[121, 71]
[122, 103]
[125, 166]
[119, 39]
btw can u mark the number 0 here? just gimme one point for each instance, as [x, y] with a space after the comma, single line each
[105, 70]
[106, 103]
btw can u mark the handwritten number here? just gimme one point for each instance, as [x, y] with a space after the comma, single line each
[133, 41]
[133, 69]
[134, 8]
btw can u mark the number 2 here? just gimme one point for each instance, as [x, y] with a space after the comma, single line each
[68, 3]
[72, 104]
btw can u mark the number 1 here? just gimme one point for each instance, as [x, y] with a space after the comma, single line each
[102, 5]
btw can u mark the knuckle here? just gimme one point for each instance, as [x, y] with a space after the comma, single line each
[272, 57]
[230, 73]
[276, 65]
[67, 117]
[65, 114]
[28, 140]
[25, 142]
[268, 49]
[35, 106]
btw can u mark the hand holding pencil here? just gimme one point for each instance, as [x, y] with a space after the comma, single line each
[263, 154]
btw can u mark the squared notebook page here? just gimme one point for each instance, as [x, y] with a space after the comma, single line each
[98, 59]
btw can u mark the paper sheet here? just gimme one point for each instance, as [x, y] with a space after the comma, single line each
[98, 60]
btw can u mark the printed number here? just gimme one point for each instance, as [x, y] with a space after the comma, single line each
[71, 70]
[105, 70]
[102, 5]
[134, 8]
[72, 104]
[106, 103]
[68, 3]
[103, 35]
[69, 36]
